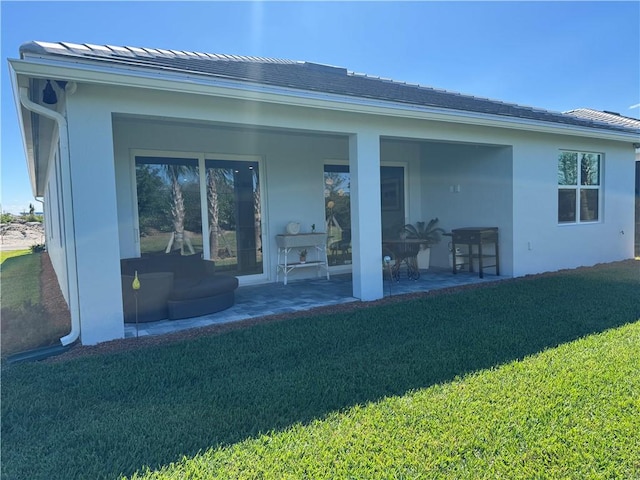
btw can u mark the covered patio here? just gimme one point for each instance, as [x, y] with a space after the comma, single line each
[253, 301]
[149, 152]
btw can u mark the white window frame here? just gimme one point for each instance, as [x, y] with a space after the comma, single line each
[202, 157]
[578, 187]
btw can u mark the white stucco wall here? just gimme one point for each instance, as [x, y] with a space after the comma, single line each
[469, 186]
[95, 218]
[540, 243]
[506, 178]
[55, 227]
[291, 167]
[480, 160]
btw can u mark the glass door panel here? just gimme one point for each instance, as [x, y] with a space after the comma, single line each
[169, 219]
[337, 187]
[337, 202]
[235, 216]
[392, 201]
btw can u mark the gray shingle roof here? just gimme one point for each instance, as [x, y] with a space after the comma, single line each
[305, 76]
[606, 117]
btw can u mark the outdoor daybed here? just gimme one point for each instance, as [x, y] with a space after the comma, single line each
[174, 287]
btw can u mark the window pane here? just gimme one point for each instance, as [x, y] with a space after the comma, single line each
[168, 205]
[566, 205]
[590, 169]
[568, 168]
[337, 201]
[588, 205]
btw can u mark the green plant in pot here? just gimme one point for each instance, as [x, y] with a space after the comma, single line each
[429, 233]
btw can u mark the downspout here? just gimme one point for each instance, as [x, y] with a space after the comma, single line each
[71, 259]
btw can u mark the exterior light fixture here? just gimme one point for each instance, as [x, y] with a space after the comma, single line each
[49, 95]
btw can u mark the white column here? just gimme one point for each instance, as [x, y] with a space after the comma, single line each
[366, 228]
[95, 220]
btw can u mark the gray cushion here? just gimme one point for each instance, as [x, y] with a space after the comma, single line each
[193, 288]
[151, 298]
[189, 288]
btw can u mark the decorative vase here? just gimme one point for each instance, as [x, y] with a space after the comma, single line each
[293, 228]
[424, 258]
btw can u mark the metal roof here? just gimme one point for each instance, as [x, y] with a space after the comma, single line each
[606, 117]
[305, 76]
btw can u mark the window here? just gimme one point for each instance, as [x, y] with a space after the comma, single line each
[579, 187]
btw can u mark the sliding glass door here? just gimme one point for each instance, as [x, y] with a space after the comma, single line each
[337, 201]
[392, 201]
[168, 191]
[235, 219]
[172, 212]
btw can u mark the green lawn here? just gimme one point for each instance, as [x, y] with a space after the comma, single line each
[21, 316]
[532, 378]
[20, 278]
[25, 321]
[4, 255]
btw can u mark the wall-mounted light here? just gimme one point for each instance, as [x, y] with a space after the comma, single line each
[49, 94]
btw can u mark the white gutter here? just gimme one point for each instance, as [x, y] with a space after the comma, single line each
[71, 257]
[82, 70]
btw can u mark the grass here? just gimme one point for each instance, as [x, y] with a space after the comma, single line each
[25, 321]
[535, 378]
[20, 278]
[4, 255]
[572, 412]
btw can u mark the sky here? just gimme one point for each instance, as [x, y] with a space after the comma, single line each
[553, 55]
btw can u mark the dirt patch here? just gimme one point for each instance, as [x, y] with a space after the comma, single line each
[58, 315]
[19, 236]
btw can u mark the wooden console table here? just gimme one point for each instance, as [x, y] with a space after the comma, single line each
[480, 237]
[315, 242]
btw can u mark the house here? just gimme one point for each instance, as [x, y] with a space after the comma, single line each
[616, 118]
[138, 150]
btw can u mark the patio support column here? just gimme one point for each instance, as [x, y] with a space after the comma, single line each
[95, 220]
[366, 228]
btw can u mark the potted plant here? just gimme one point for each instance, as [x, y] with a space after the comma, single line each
[303, 255]
[430, 234]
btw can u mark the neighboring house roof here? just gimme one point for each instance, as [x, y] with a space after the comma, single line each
[304, 76]
[606, 117]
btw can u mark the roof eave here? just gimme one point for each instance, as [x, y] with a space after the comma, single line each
[87, 71]
[24, 123]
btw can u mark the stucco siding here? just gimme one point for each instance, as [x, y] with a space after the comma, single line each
[95, 217]
[55, 228]
[464, 175]
[540, 243]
